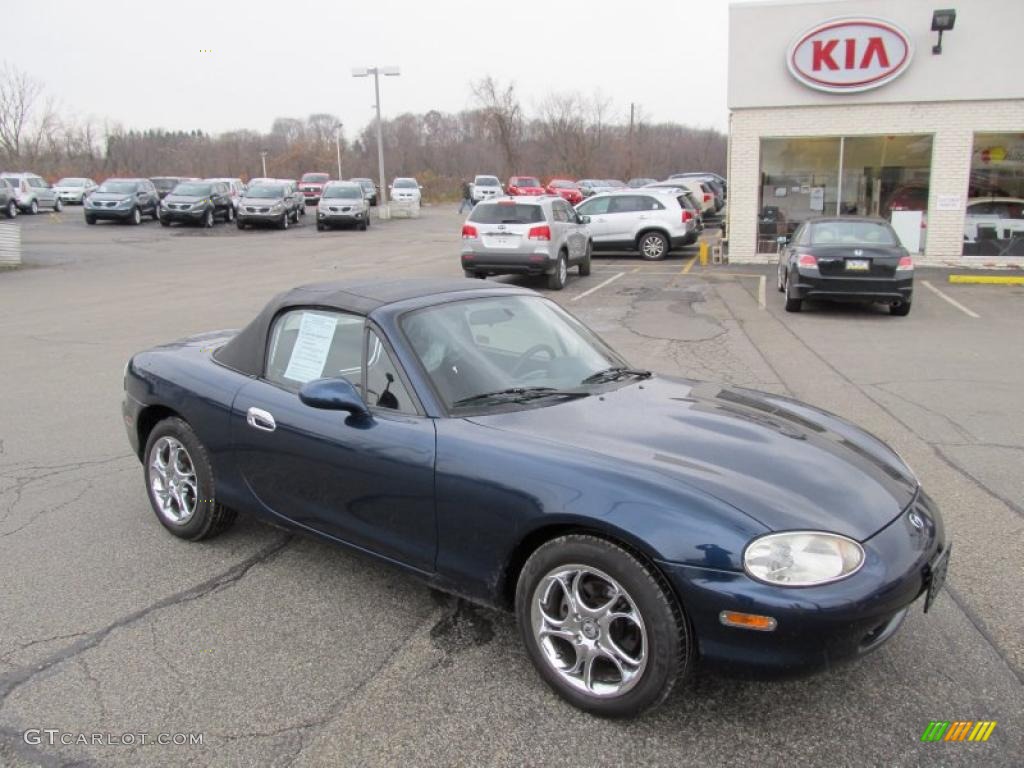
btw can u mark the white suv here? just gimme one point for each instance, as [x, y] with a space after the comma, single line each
[651, 221]
[485, 187]
[32, 192]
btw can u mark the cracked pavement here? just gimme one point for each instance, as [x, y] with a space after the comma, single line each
[285, 651]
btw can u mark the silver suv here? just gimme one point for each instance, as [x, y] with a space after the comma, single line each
[526, 236]
[650, 221]
[32, 192]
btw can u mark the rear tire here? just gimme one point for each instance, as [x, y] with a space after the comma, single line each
[33, 207]
[156, 212]
[180, 483]
[472, 274]
[585, 264]
[792, 304]
[651, 636]
[229, 216]
[900, 310]
[11, 210]
[653, 246]
[560, 276]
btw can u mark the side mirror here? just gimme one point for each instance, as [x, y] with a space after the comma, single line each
[782, 240]
[584, 219]
[333, 395]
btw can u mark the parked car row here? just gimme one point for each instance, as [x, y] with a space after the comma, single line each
[544, 235]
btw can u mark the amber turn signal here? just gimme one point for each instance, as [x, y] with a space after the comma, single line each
[747, 621]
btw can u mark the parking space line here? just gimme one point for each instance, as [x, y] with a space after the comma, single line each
[689, 266]
[987, 279]
[951, 300]
[761, 300]
[599, 286]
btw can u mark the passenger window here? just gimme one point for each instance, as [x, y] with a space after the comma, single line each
[595, 206]
[625, 204]
[384, 388]
[558, 212]
[307, 344]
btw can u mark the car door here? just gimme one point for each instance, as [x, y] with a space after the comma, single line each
[575, 233]
[45, 194]
[222, 200]
[600, 221]
[365, 481]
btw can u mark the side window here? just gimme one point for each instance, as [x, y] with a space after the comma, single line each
[36, 182]
[595, 206]
[384, 388]
[803, 236]
[626, 204]
[307, 344]
[558, 212]
[650, 204]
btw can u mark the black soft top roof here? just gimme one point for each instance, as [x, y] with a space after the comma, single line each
[245, 352]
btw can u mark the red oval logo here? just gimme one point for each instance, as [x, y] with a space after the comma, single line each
[849, 55]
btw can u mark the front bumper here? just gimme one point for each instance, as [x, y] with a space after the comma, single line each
[257, 219]
[189, 217]
[817, 626]
[338, 218]
[71, 197]
[117, 214]
[811, 284]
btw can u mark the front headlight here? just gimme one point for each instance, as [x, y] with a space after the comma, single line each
[802, 558]
[124, 203]
[277, 207]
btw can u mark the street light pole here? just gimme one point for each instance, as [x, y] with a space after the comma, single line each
[263, 157]
[377, 72]
[337, 144]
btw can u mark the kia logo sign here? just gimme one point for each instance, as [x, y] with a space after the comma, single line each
[850, 55]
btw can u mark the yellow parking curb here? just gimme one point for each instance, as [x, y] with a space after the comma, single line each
[987, 279]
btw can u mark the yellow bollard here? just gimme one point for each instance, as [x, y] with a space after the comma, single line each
[703, 253]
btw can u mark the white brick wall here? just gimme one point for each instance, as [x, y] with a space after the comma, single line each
[952, 126]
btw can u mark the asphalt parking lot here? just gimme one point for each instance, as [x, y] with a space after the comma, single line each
[281, 650]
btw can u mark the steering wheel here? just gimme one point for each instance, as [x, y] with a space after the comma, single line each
[525, 358]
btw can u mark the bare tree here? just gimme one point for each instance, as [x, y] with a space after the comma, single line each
[504, 116]
[18, 95]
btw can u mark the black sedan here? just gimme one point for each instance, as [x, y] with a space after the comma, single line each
[198, 202]
[846, 258]
[483, 439]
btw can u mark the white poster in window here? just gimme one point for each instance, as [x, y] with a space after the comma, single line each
[311, 347]
[817, 199]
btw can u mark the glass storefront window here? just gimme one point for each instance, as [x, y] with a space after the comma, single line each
[847, 176]
[994, 221]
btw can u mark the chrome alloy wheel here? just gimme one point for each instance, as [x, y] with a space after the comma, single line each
[172, 480]
[589, 630]
[563, 270]
[653, 247]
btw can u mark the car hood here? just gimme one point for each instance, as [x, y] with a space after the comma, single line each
[117, 197]
[341, 202]
[186, 198]
[785, 464]
[261, 201]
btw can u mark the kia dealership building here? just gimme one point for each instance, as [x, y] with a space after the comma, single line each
[852, 107]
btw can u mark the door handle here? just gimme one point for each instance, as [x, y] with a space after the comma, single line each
[260, 419]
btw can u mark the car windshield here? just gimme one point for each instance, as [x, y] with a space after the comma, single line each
[507, 213]
[265, 190]
[366, 184]
[352, 192]
[405, 184]
[70, 183]
[507, 345]
[525, 181]
[164, 184]
[189, 189]
[118, 187]
[486, 181]
[316, 178]
[852, 233]
[562, 184]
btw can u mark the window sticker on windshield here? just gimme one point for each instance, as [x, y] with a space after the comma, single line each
[311, 347]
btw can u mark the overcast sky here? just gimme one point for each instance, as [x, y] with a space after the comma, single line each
[140, 62]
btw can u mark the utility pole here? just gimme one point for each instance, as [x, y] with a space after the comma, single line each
[263, 157]
[382, 209]
[632, 116]
[337, 145]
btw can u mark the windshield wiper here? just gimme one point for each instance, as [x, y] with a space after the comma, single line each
[613, 374]
[521, 394]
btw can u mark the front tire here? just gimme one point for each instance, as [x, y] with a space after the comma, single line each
[653, 246]
[208, 219]
[240, 224]
[180, 483]
[90, 219]
[12, 210]
[601, 627]
[136, 216]
[900, 310]
[284, 221]
[58, 206]
[558, 278]
[33, 207]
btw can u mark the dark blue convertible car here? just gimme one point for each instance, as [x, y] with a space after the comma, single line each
[483, 438]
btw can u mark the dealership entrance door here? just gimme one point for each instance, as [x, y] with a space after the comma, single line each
[885, 176]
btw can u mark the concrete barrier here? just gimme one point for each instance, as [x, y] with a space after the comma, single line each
[10, 244]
